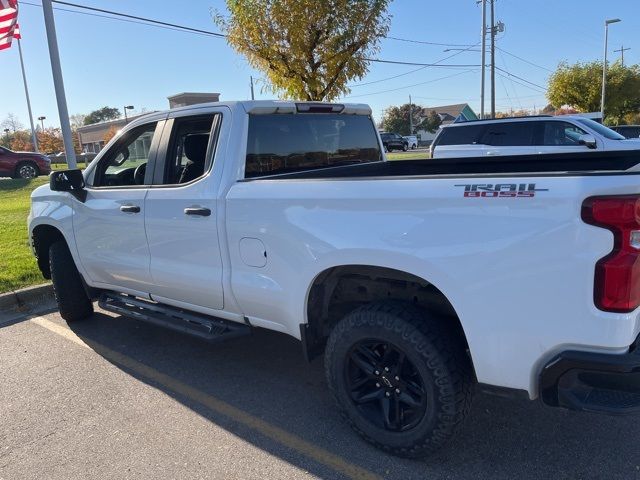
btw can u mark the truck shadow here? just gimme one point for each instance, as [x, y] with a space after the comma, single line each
[265, 376]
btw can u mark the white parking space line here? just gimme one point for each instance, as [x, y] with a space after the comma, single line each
[283, 437]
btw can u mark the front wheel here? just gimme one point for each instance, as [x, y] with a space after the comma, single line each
[400, 377]
[405, 147]
[26, 170]
[73, 301]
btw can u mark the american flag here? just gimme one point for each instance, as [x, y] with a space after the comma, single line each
[8, 22]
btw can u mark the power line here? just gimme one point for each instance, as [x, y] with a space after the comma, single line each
[397, 62]
[148, 23]
[513, 86]
[535, 89]
[524, 60]
[412, 71]
[134, 17]
[520, 78]
[410, 86]
[174, 26]
[430, 43]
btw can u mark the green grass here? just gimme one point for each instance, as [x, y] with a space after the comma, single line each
[63, 166]
[407, 155]
[17, 265]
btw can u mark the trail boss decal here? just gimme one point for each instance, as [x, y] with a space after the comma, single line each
[509, 190]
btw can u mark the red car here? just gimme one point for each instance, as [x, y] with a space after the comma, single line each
[23, 164]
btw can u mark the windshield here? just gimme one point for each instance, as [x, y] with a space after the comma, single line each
[601, 129]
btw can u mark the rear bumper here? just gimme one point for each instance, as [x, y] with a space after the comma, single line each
[594, 382]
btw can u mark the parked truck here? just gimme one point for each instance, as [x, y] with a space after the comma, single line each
[419, 281]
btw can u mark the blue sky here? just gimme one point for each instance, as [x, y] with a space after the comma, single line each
[108, 62]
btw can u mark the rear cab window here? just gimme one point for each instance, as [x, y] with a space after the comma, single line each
[286, 143]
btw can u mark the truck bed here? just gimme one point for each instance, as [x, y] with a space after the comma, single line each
[589, 163]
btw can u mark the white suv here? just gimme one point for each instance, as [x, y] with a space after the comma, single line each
[527, 136]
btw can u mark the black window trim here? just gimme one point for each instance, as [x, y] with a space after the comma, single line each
[166, 144]
[153, 155]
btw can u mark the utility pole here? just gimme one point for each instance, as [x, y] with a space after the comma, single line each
[483, 59]
[493, 60]
[604, 64]
[34, 137]
[58, 83]
[622, 50]
[252, 96]
[410, 117]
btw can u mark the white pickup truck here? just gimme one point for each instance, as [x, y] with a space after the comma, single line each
[419, 280]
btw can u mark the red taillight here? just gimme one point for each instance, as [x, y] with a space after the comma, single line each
[617, 276]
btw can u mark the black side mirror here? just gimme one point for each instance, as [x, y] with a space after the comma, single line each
[68, 181]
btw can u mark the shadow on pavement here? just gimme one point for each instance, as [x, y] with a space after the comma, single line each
[265, 375]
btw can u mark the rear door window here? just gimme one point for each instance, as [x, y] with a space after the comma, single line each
[508, 134]
[290, 143]
[462, 135]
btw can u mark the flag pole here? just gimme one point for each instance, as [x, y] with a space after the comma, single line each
[56, 71]
[34, 137]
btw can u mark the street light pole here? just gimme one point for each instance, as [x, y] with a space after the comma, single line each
[127, 107]
[42, 119]
[604, 65]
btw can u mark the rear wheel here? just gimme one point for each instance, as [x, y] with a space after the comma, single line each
[26, 170]
[400, 378]
[73, 302]
[405, 147]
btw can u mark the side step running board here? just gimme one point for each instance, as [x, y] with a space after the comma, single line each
[208, 328]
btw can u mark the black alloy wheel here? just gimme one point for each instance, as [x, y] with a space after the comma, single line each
[385, 387]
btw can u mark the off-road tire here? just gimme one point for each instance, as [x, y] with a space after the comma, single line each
[23, 167]
[73, 302]
[440, 357]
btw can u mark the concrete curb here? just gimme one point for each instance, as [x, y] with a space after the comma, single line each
[26, 297]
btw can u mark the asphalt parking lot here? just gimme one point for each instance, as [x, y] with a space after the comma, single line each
[111, 397]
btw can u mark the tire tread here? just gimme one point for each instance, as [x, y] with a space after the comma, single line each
[73, 302]
[408, 320]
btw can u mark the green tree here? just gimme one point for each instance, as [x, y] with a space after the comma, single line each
[102, 115]
[431, 122]
[580, 86]
[308, 49]
[396, 119]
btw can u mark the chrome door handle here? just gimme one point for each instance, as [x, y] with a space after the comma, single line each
[199, 211]
[130, 208]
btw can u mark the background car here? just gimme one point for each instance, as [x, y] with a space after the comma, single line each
[393, 141]
[23, 164]
[527, 136]
[412, 140]
[628, 131]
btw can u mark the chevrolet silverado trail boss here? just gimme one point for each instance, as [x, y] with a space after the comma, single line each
[421, 281]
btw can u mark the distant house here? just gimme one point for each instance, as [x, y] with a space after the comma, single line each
[461, 112]
[92, 136]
